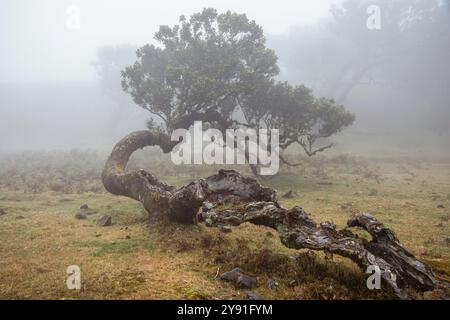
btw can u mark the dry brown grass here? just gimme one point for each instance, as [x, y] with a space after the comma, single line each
[139, 259]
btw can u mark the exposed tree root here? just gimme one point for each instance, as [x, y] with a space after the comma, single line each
[258, 205]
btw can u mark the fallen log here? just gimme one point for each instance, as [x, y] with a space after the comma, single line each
[256, 204]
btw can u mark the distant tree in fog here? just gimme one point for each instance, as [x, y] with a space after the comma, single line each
[409, 52]
[111, 60]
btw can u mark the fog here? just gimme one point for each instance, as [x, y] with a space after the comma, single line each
[57, 92]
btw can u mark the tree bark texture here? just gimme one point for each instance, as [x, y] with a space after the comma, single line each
[246, 200]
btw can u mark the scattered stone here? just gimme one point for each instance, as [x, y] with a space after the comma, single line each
[2, 212]
[207, 206]
[239, 278]
[209, 223]
[272, 284]
[252, 296]
[19, 217]
[80, 215]
[104, 221]
[440, 206]
[225, 228]
[86, 210]
[288, 195]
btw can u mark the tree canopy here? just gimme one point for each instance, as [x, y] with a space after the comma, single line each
[216, 68]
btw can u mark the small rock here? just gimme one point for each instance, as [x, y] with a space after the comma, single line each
[373, 193]
[231, 275]
[239, 279]
[272, 284]
[127, 237]
[225, 228]
[86, 210]
[245, 281]
[104, 221]
[80, 215]
[19, 217]
[440, 206]
[207, 206]
[2, 212]
[209, 222]
[252, 296]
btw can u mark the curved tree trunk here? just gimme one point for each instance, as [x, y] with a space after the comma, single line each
[258, 205]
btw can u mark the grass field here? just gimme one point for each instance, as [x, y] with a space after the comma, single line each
[138, 257]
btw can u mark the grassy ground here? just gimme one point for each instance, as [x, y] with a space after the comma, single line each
[144, 259]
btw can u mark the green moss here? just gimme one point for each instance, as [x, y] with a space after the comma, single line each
[192, 292]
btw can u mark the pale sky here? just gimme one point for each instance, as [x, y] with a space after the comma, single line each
[36, 45]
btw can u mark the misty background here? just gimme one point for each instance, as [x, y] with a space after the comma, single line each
[60, 86]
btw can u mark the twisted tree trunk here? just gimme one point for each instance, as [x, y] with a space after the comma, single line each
[258, 205]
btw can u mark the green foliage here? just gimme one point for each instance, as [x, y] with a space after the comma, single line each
[300, 117]
[204, 63]
[212, 65]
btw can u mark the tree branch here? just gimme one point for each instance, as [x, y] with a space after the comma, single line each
[256, 204]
